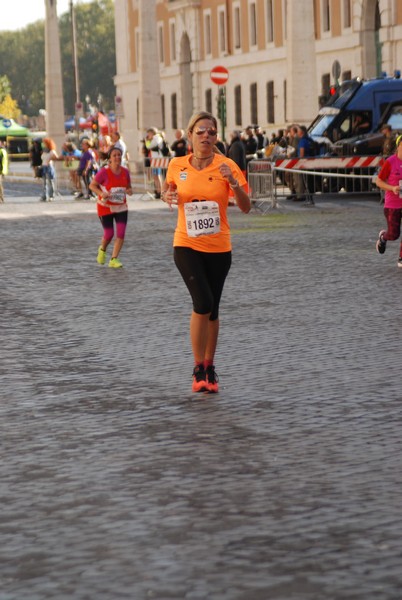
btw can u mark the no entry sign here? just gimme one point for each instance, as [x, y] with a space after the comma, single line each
[219, 75]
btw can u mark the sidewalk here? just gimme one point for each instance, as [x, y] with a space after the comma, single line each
[118, 483]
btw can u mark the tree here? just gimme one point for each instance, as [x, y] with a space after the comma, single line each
[22, 58]
[96, 53]
[5, 87]
[9, 108]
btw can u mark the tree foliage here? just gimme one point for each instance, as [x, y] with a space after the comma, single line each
[22, 58]
[5, 87]
[9, 108]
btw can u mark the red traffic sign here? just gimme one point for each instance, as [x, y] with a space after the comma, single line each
[219, 75]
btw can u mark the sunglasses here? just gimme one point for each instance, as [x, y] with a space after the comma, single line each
[209, 130]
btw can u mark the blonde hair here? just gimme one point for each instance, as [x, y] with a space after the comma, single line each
[198, 117]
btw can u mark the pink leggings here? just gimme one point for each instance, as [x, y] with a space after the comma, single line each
[108, 225]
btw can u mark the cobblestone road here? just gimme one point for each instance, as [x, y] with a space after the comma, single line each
[117, 483]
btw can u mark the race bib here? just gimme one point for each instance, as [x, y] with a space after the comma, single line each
[202, 218]
[116, 208]
[117, 195]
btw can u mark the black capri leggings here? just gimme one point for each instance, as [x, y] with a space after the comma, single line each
[204, 274]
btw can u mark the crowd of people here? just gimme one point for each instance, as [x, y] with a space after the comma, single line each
[82, 161]
[243, 146]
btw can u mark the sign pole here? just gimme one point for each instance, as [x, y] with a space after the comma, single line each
[220, 75]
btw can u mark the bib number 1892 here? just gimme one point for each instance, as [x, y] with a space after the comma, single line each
[202, 218]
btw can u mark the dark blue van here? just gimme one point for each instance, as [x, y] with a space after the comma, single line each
[351, 121]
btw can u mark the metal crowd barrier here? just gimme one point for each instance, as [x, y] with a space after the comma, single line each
[154, 175]
[329, 175]
[270, 180]
[260, 177]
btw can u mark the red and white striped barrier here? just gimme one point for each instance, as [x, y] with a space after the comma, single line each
[160, 163]
[329, 162]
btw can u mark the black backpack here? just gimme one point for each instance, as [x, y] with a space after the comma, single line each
[165, 148]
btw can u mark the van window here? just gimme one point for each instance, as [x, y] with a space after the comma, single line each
[354, 123]
[395, 118]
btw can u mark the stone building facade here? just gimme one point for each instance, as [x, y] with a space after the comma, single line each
[282, 55]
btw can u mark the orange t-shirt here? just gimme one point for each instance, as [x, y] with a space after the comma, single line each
[209, 186]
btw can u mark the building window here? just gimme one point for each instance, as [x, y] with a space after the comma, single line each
[347, 14]
[236, 27]
[160, 44]
[173, 101]
[172, 41]
[270, 102]
[253, 24]
[208, 100]
[346, 75]
[326, 15]
[270, 21]
[207, 34]
[222, 31]
[163, 112]
[237, 100]
[253, 103]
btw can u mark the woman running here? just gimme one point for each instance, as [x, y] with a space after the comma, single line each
[199, 184]
[112, 184]
[390, 179]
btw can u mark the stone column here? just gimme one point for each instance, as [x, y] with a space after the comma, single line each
[54, 86]
[150, 107]
[301, 86]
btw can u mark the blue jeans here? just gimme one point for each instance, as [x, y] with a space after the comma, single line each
[48, 185]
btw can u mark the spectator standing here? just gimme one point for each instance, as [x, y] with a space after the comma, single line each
[35, 157]
[86, 169]
[118, 142]
[221, 145]
[179, 146]
[293, 142]
[153, 143]
[236, 150]
[389, 146]
[303, 180]
[3, 168]
[105, 144]
[261, 141]
[237, 153]
[49, 155]
[250, 144]
[71, 155]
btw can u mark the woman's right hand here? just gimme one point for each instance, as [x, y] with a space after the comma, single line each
[170, 195]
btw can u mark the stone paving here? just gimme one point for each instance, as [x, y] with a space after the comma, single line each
[117, 483]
